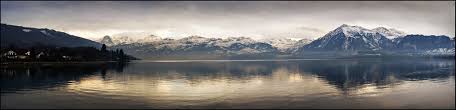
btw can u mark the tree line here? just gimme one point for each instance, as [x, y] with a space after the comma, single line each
[62, 54]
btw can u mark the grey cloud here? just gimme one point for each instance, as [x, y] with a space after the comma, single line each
[240, 17]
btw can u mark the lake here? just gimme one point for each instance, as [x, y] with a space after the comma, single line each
[298, 83]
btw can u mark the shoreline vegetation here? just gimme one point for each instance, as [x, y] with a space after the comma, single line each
[61, 55]
[52, 64]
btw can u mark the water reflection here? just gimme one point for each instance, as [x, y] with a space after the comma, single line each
[272, 84]
[18, 78]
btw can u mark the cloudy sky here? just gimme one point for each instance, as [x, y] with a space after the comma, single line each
[257, 19]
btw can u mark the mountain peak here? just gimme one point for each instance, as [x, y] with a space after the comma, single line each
[350, 31]
[106, 40]
[344, 25]
[349, 38]
[381, 30]
[106, 37]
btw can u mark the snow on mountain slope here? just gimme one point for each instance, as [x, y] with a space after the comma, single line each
[129, 38]
[286, 45]
[280, 43]
[232, 40]
[197, 45]
[343, 39]
[389, 33]
[231, 45]
[299, 44]
[196, 40]
[352, 31]
[350, 38]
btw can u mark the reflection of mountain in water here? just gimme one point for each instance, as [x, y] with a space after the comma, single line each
[343, 74]
[346, 74]
[48, 76]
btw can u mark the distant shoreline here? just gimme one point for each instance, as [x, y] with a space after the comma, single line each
[57, 62]
[294, 57]
[222, 60]
[53, 64]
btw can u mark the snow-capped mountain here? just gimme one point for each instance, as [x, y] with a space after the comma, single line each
[280, 43]
[129, 38]
[286, 45]
[349, 38]
[389, 33]
[27, 37]
[197, 45]
[235, 40]
[298, 45]
[344, 39]
[355, 39]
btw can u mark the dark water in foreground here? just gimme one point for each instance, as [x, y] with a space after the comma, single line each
[367, 83]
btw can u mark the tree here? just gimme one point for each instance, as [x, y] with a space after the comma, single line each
[117, 55]
[121, 52]
[122, 55]
[33, 53]
[103, 48]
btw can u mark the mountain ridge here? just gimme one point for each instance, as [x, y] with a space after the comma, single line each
[27, 37]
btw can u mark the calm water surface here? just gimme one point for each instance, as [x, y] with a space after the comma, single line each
[317, 83]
